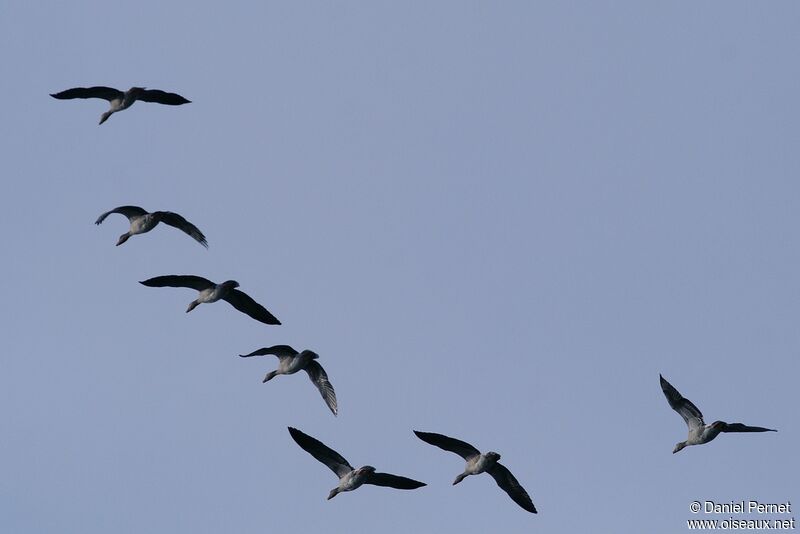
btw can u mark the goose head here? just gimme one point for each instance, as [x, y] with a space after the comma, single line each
[679, 447]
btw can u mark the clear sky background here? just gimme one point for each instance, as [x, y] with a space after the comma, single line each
[497, 222]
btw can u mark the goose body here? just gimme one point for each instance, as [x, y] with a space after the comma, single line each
[142, 222]
[349, 478]
[699, 431]
[478, 463]
[209, 292]
[290, 361]
[121, 100]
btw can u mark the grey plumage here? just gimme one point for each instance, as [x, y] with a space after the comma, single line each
[349, 478]
[699, 431]
[142, 221]
[120, 100]
[481, 463]
[290, 361]
[211, 292]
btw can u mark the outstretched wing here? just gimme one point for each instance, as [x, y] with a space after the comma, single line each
[281, 351]
[393, 481]
[463, 449]
[127, 211]
[320, 379]
[106, 93]
[739, 427]
[162, 97]
[321, 452]
[176, 221]
[509, 484]
[244, 303]
[179, 280]
[690, 413]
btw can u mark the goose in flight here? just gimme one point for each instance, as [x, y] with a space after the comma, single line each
[211, 292]
[142, 221]
[699, 432]
[290, 361]
[349, 478]
[481, 463]
[121, 100]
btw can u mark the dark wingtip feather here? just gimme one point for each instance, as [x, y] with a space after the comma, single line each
[296, 434]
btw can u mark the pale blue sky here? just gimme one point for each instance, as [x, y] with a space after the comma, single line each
[497, 222]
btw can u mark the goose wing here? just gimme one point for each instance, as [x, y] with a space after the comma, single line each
[739, 427]
[99, 91]
[177, 221]
[281, 351]
[320, 379]
[179, 280]
[162, 97]
[321, 452]
[393, 481]
[509, 484]
[463, 449]
[128, 211]
[245, 304]
[690, 413]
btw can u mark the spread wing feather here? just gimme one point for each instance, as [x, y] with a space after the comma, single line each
[281, 351]
[179, 280]
[162, 97]
[321, 452]
[509, 484]
[177, 221]
[686, 408]
[462, 448]
[127, 211]
[393, 481]
[245, 304]
[320, 379]
[98, 91]
[739, 427]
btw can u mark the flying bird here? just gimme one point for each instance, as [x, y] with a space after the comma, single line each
[349, 478]
[121, 100]
[211, 292]
[479, 463]
[142, 221]
[290, 361]
[699, 432]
